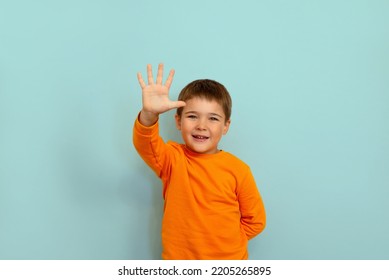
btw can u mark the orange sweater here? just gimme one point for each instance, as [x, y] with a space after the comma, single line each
[212, 205]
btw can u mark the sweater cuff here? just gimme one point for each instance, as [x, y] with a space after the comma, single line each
[145, 130]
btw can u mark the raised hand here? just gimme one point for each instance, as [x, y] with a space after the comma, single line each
[155, 95]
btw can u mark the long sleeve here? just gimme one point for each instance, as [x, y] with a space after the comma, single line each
[150, 146]
[253, 216]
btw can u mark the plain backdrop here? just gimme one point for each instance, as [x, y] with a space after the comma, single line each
[310, 88]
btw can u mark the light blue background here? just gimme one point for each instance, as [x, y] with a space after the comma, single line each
[310, 88]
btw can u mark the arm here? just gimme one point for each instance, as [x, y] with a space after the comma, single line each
[253, 215]
[146, 139]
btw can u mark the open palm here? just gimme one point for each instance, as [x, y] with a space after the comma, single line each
[155, 95]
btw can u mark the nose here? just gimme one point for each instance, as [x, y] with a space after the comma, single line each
[201, 125]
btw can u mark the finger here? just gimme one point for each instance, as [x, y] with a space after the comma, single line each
[177, 104]
[160, 74]
[170, 78]
[150, 74]
[140, 80]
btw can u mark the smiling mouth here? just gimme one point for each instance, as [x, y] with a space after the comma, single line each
[200, 138]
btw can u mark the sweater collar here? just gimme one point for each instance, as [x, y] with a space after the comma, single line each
[200, 155]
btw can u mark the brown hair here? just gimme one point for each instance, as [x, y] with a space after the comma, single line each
[210, 90]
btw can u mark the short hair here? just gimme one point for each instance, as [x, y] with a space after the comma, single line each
[210, 90]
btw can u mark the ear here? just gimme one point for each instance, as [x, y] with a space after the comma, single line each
[178, 121]
[226, 127]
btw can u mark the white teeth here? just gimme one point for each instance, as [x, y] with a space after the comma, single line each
[200, 137]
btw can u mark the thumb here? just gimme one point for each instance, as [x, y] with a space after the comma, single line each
[177, 104]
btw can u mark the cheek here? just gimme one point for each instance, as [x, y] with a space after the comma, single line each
[218, 131]
[186, 126]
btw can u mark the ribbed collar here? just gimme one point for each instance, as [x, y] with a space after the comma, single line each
[191, 153]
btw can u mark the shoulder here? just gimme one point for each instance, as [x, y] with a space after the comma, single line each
[242, 173]
[176, 148]
[232, 157]
[234, 162]
[175, 145]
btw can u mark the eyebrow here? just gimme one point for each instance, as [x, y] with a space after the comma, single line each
[212, 114]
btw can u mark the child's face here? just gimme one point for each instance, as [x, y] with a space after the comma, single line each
[202, 124]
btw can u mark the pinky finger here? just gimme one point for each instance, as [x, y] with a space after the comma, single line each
[169, 79]
[140, 80]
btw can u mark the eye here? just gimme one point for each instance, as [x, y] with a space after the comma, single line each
[192, 117]
[214, 119]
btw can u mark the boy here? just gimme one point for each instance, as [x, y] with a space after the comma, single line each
[212, 205]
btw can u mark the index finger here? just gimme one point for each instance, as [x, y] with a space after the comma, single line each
[169, 79]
